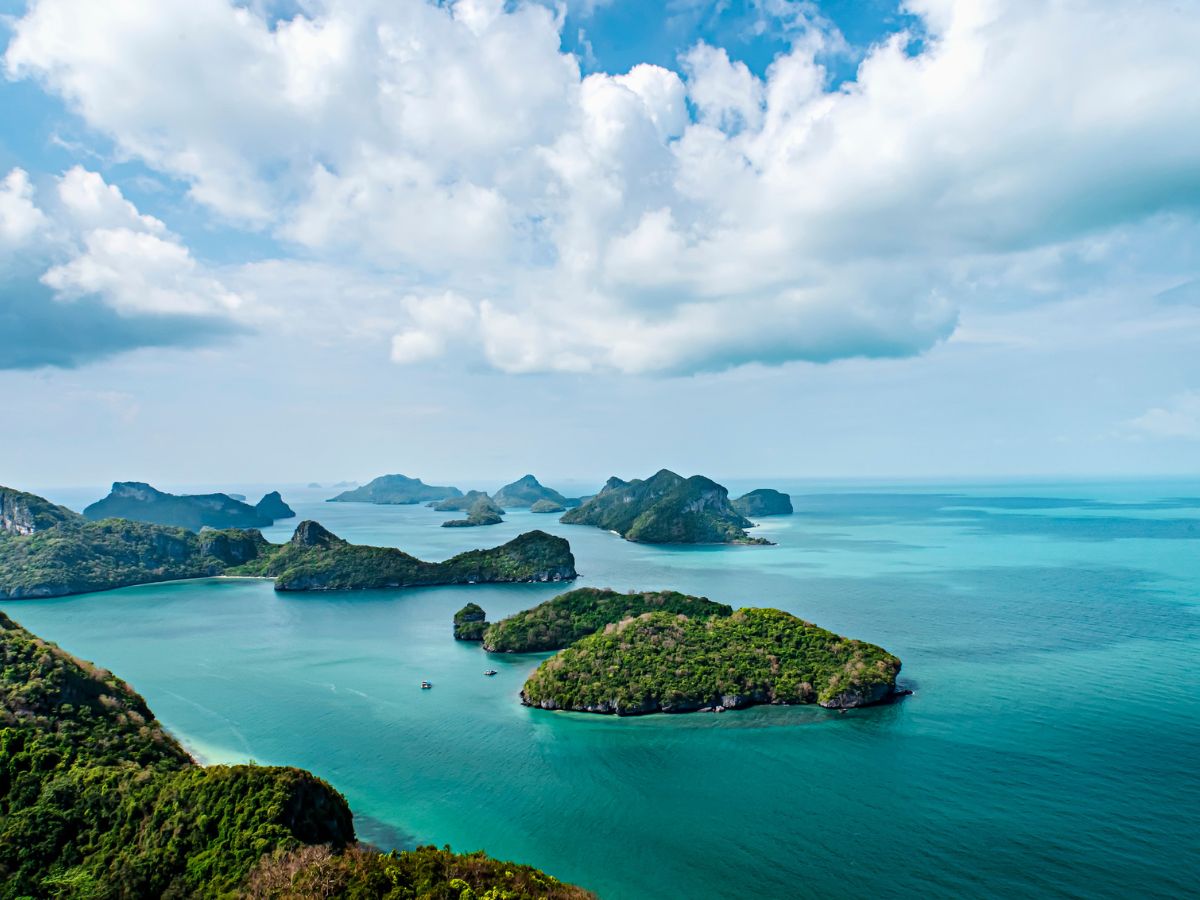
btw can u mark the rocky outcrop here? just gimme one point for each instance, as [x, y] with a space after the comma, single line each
[861, 695]
[764, 502]
[22, 513]
[272, 507]
[470, 623]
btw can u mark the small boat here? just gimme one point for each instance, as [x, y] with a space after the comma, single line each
[425, 685]
[490, 672]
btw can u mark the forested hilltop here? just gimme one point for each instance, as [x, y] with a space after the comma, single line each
[97, 801]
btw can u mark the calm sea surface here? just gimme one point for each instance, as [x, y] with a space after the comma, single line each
[1052, 747]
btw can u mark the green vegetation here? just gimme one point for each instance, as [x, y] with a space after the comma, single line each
[526, 491]
[141, 503]
[470, 623]
[395, 489]
[317, 560]
[76, 556]
[22, 513]
[764, 502]
[568, 617]
[482, 512]
[546, 506]
[659, 661]
[97, 801]
[665, 509]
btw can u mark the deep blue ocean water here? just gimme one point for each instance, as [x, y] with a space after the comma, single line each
[1051, 748]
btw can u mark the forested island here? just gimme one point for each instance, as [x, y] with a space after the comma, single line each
[395, 489]
[470, 623]
[97, 800]
[764, 502]
[669, 662]
[139, 502]
[481, 512]
[50, 551]
[317, 560]
[526, 491]
[666, 509]
[568, 617]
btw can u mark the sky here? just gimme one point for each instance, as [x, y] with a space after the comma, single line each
[293, 240]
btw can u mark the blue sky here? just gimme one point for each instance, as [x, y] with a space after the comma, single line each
[286, 241]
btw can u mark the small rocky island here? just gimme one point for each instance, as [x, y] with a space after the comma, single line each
[459, 504]
[482, 512]
[764, 502]
[51, 551]
[568, 617]
[666, 509]
[669, 662]
[526, 491]
[395, 489]
[140, 502]
[547, 506]
[470, 623]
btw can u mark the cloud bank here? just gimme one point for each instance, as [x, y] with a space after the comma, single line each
[652, 221]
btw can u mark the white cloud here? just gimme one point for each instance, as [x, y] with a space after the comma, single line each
[589, 223]
[1178, 419]
[20, 218]
[89, 241]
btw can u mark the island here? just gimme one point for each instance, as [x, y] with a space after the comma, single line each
[49, 551]
[764, 502]
[470, 622]
[672, 663]
[526, 491]
[568, 617]
[315, 484]
[395, 490]
[666, 509]
[547, 506]
[98, 800]
[139, 502]
[317, 560]
[461, 503]
[482, 512]
[272, 507]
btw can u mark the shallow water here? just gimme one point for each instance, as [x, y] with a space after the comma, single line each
[1051, 748]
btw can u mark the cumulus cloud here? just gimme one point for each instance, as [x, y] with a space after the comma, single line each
[87, 275]
[1178, 419]
[650, 221]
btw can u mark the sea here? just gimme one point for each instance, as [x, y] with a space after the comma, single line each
[1049, 632]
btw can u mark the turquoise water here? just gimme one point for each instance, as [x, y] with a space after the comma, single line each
[1052, 746]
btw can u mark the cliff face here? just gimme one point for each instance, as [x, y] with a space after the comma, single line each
[665, 509]
[22, 513]
[396, 489]
[764, 502]
[140, 502]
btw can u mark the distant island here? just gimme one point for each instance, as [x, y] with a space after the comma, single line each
[50, 551]
[98, 800]
[666, 509]
[546, 506]
[526, 491]
[669, 662]
[470, 622]
[481, 512]
[317, 560]
[568, 617]
[461, 503]
[140, 502]
[395, 489]
[763, 502]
